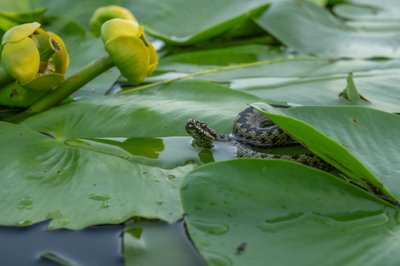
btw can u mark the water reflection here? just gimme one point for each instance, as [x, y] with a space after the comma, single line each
[145, 243]
[146, 147]
[37, 246]
[159, 243]
[167, 152]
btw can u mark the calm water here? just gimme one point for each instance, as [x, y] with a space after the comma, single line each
[98, 245]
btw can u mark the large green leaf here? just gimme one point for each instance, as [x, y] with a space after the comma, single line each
[80, 11]
[192, 62]
[162, 111]
[253, 212]
[358, 141]
[369, 10]
[372, 15]
[308, 28]
[190, 21]
[272, 75]
[77, 183]
[381, 88]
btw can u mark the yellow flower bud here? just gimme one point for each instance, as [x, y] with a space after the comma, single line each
[125, 42]
[105, 13]
[28, 52]
[20, 57]
[37, 61]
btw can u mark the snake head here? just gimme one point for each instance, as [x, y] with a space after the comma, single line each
[202, 135]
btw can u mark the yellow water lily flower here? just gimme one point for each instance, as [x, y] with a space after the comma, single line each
[28, 52]
[20, 56]
[105, 13]
[34, 61]
[125, 42]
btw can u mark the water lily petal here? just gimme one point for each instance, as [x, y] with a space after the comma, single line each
[21, 60]
[131, 57]
[19, 32]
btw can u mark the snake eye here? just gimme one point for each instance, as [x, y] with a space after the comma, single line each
[189, 125]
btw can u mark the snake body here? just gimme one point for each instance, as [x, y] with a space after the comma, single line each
[252, 130]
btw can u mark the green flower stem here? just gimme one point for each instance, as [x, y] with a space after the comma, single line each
[4, 77]
[66, 88]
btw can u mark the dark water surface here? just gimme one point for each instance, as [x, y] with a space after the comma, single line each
[97, 245]
[158, 243]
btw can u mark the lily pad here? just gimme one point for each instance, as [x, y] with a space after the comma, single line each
[369, 10]
[63, 175]
[298, 24]
[253, 211]
[356, 140]
[76, 185]
[192, 21]
[275, 76]
[156, 112]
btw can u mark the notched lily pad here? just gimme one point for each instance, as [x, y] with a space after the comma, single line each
[75, 185]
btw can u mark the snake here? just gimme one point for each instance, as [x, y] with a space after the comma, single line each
[252, 131]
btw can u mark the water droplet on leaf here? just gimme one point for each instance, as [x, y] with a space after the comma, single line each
[104, 198]
[24, 222]
[99, 197]
[356, 220]
[211, 228]
[274, 224]
[25, 203]
[64, 221]
[105, 204]
[216, 259]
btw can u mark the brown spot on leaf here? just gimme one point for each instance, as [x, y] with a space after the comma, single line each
[355, 121]
[14, 93]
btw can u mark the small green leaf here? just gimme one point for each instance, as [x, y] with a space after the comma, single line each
[350, 93]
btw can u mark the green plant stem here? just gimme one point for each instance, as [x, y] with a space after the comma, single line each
[66, 88]
[214, 70]
[4, 77]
